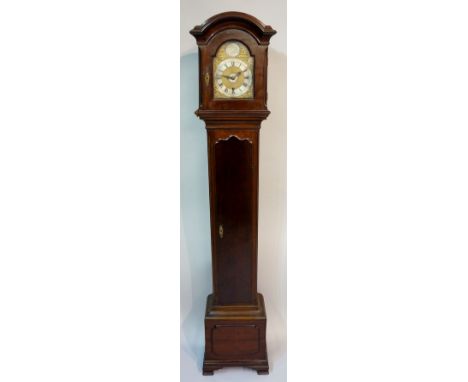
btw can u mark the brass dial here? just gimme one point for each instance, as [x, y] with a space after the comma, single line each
[233, 77]
[233, 71]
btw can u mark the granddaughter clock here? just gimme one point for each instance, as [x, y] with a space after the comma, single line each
[233, 57]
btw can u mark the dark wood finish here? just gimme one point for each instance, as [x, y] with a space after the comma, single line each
[235, 336]
[235, 318]
[234, 211]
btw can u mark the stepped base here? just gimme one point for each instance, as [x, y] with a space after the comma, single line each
[235, 336]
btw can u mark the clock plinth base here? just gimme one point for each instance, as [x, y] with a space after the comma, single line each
[235, 336]
[261, 367]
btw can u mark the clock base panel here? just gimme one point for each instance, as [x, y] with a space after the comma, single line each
[235, 336]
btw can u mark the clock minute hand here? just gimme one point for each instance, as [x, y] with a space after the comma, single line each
[239, 73]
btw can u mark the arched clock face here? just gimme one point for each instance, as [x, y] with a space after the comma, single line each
[233, 71]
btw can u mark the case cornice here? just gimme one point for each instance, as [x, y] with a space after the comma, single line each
[233, 20]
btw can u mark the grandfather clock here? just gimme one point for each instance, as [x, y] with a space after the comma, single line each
[233, 49]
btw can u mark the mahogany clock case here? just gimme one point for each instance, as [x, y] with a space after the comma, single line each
[235, 318]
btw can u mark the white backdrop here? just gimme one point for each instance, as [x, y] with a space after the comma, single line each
[89, 153]
[196, 281]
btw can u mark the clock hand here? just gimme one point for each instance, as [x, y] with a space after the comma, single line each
[241, 72]
[233, 76]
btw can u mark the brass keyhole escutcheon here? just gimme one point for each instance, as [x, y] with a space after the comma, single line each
[221, 231]
[207, 78]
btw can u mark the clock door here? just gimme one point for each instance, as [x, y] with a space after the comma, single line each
[234, 212]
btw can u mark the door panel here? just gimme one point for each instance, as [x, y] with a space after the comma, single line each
[234, 212]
